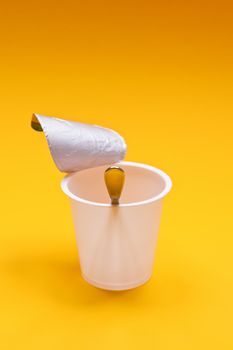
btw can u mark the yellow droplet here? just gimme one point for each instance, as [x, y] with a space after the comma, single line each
[114, 179]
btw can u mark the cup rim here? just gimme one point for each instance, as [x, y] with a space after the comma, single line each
[165, 177]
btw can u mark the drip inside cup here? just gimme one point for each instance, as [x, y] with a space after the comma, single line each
[143, 183]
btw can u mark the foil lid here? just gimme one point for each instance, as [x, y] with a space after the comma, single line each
[76, 146]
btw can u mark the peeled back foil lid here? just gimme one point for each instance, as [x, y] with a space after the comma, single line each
[75, 146]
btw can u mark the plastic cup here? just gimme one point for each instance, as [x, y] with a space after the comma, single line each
[117, 244]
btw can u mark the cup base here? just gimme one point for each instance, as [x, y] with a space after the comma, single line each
[117, 287]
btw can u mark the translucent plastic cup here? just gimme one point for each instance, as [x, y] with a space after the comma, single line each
[116, 244]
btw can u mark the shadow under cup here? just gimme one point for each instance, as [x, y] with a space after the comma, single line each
[116, 244]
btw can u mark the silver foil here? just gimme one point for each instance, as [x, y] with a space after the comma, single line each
[75, 146]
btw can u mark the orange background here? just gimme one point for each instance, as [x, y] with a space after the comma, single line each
[160, 74]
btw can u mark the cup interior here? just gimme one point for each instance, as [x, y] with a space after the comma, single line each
[142, 183]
